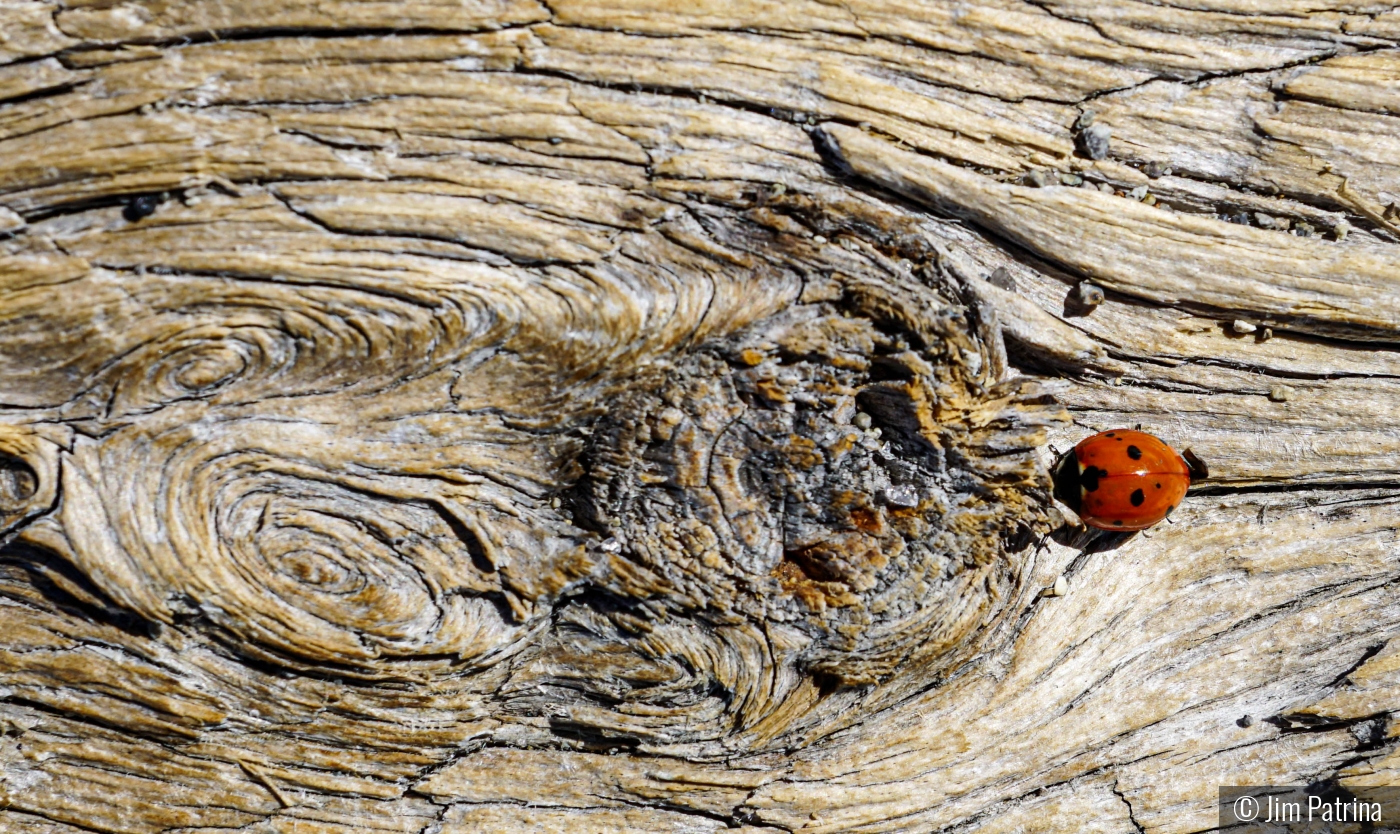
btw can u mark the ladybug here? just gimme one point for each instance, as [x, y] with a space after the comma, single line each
[1124, 479]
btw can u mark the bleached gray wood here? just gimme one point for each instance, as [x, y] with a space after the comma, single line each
[467, 438]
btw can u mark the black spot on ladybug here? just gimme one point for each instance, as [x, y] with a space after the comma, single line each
[1118, 523]
[1089, 478]
[1135, 453]
[1137, 498]
[139, 207]
[1159, 486]
[1110, 434]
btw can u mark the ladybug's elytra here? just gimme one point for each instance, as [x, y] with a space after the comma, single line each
[1123, 479]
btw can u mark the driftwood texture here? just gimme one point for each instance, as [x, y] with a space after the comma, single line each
[634, 416]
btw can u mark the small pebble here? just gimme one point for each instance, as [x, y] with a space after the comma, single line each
[819, 240]
[1280, 393]
[1085, 119]
[1241, 326]
[1282, 223]
[901, 496]
[1106, 188]
[554, 503]
[1149, 200]
[1089, 185]
[492, 199]
[1001, 277]
[1088, 295]
[1341, 229]
[1247, 721]
[610, 545]
[1156, 170]
[1138, 193]
[1059, 589]
[1070, 179]
[779, 189]
[862, 420]
[554, 140]
[1266, 334]
[1036, 179]
[1263, 220]
[1093, 141]
[1304, 229]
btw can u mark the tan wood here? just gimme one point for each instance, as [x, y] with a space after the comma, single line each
[628, 415]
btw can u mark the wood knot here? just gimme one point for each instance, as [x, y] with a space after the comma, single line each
[843, 474]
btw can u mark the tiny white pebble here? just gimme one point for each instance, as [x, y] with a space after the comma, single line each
[819, 239]
[1264, 220]
[1138, 193]
[1266, 334]
[1059, 589]
[1247, 721]
[1280, 393]
[901, 496]
[610, 545]
[1242, 326]
[1089, 295]
[862, 420]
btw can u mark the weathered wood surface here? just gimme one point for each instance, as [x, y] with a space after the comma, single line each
[468, 438]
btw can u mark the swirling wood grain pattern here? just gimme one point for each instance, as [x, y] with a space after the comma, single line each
[633, 416]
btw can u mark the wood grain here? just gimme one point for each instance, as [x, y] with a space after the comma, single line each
[636, 415]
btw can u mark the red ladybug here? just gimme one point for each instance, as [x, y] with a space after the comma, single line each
[1124, 479]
